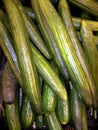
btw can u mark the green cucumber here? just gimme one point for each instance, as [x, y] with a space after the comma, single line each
[48, 99]
[12, 116]
[77, 110]
[52, 121]
[48, 95]
[90, 49]
[33, 32]
[26, 115]
[62, 108]
[65, 13]
[25, 59]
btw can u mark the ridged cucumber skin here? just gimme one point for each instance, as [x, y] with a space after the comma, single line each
[33, 32]
[26, 115]
[77, 110]
[65, 13]
[65, 46]
[25, 59]
[52, 121]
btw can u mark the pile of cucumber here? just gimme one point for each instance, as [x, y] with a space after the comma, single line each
[50, 75]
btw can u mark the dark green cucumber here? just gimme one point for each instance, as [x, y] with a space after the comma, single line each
[77, 110]
[63, 109]
[26, 115]
[24, 56]
[8, 84]
[33, 32]
[65, 13]
[47, 16]
[48, 95]
[52, 121]
[48, 99]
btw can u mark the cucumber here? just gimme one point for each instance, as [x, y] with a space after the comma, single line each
[27, 115]
[65, 13]
[52, 121]
[48, 95]
[12, 117]
[63, 108]
[77, 110]
[48, 17]
[90, 50]
[25, 59]
[48, 99]
[33, 32]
